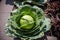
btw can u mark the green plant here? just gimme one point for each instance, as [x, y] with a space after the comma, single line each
[27, 22]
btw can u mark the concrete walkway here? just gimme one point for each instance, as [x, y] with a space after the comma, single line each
[4, 15]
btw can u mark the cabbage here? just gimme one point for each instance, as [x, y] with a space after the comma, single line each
[27, 22]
